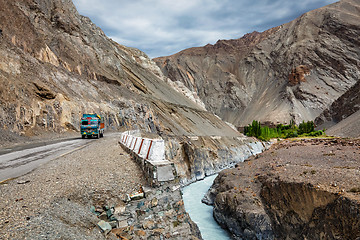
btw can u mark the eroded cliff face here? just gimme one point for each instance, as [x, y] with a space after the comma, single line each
[197, 157]
[294, 71]
[301, 211]
[305, 189]
[56, 65]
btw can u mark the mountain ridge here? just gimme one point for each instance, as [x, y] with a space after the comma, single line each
[293, 73]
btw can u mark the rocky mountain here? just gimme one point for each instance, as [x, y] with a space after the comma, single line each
[294, 71]
[349, 127]
[56, 64]
[342, 116]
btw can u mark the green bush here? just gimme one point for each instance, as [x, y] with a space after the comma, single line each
[306, 127]
[292, 134]
[316, 133]
[253, 130]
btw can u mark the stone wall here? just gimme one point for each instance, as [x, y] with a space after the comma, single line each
[150, 155]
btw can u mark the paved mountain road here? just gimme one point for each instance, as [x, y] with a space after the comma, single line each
[21, 160]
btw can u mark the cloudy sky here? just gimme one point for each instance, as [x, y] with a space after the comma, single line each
[164, 27]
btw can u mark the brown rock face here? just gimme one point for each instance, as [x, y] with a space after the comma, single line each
[298, 74]
[56, 65]
[248, 78]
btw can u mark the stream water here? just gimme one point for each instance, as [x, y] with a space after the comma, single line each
[201, 213]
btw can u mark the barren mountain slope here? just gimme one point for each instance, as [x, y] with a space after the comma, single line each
[342, 118]
[56, 64]
[342, 108]
[349, 127]
[294, 71]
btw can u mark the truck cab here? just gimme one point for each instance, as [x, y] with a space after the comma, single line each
[92, 125]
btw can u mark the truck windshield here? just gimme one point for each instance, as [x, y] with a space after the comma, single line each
[90, 122]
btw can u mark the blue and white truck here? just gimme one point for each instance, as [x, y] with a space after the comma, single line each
[92, 124]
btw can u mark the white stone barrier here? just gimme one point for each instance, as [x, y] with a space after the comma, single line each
[149, 149]
[150, 152]
[157, 151]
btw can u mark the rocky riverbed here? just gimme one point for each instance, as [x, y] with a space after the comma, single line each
[301, 189]
[77, 195]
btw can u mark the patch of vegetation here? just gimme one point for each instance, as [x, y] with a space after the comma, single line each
[305, 129]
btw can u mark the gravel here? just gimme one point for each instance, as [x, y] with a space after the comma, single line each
[54, 200]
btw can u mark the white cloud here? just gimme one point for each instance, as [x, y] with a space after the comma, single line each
[163, 27]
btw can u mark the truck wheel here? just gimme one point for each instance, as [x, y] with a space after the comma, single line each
[83, 136]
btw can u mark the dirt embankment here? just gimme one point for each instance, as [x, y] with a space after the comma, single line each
[305, 189]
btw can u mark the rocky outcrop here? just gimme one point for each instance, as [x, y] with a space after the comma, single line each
[301, 211]
[238, 207]
[342, 108]
[341, 118]
[298, 75]
[159, 213]
[296, 190]
[56, 64]
[349, 127]
[294, 71]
